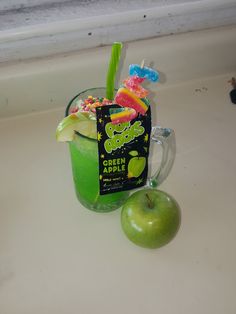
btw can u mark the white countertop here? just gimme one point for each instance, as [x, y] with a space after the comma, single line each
[58, 257]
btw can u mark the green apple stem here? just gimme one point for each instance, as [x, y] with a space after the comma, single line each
[150, 202]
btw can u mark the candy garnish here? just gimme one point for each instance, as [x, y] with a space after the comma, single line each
[126, 98]
[132, 94]
[133, 84]
[90, 104]
[120, 115]
[143, 72]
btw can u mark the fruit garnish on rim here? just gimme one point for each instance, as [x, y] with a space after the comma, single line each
[76, 122]
[81, 118]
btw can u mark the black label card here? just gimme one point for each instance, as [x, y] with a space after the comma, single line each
[123, 151]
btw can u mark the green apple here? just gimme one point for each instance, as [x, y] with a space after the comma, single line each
[136, 166]
[150, 218]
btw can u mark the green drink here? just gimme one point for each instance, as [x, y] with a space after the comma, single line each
[85, 168]
[79, 129]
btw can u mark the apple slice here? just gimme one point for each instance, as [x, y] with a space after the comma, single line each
[80, 122]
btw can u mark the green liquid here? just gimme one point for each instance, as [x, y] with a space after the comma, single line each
[85, 168]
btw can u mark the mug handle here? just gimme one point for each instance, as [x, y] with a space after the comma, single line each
[166, 138]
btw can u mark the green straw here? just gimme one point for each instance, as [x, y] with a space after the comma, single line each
[112, 69]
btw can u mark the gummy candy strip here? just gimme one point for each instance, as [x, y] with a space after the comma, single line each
[120, 115]
[126, 98]
[145, 72]
[113, 66]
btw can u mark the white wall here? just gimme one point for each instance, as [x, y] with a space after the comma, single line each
[36, 85]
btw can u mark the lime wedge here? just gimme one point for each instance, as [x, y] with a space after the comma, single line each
[80, 122]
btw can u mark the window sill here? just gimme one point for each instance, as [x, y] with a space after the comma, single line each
[54, 36]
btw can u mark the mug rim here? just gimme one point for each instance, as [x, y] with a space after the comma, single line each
[72, 100]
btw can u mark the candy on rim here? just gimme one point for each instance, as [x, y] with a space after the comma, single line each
[76, 122]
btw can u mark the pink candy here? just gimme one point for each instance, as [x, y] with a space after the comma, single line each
[90, 104]
[133, 84]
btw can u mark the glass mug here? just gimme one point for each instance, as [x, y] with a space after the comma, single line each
[85, 168]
